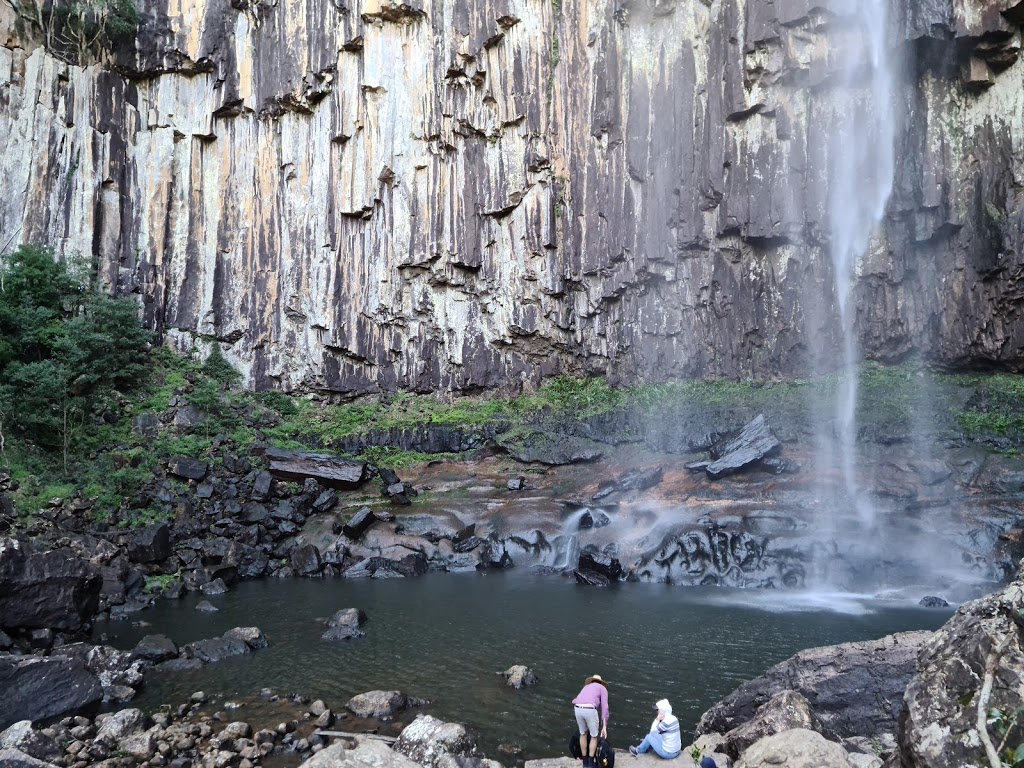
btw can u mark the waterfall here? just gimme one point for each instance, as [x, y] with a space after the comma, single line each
[861, 181]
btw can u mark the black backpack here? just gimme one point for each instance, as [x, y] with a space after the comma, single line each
[605, 754]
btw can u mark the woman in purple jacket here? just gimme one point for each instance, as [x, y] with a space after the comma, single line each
[591, 708]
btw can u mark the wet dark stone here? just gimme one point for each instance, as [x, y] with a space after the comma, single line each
[931, 601]
[753, 443]
[38, 688]
[306, 561]
[597, 569]
[262, 486]
[360, 521]
[151, 544]
[155, 648]
[186, 467]
[41, 590]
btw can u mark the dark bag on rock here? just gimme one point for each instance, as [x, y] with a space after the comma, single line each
[574, 745]
[605, 754]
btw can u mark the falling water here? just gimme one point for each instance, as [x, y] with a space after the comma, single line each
[862, 172]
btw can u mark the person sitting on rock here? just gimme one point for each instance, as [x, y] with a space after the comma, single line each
[591, 709]
[664, 736]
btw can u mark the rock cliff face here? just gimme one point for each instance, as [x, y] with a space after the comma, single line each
[355, 195]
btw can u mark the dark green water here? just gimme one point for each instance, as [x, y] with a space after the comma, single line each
[443, 637]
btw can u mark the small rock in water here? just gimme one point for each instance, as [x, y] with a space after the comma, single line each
[198, 697]
[206, 606]
[266, 693]
[931, 601]
[215, 587]
[519, 676]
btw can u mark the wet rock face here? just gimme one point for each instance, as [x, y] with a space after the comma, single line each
[46, 590]
[40, 688]
[854, 689]
[973, 664]
[526, 193]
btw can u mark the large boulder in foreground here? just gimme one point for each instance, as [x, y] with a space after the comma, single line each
[797, 748]
[366, 752]
[37, 688]
[855, 689]
[979, 647]
[46, 590]
[783, 712]
[428, 740]
[15, 758]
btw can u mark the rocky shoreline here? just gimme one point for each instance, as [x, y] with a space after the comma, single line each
[911, 700]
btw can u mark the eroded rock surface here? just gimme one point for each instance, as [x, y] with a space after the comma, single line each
[523, 193]
[854, 689]
[944, 705]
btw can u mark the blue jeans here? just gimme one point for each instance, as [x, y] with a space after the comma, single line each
[654, 741]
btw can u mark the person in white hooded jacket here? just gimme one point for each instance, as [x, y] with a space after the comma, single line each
[664, 736]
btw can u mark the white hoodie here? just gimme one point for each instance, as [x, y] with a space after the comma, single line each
[667, 727]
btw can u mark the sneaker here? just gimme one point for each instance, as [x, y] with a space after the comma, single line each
[633, 752]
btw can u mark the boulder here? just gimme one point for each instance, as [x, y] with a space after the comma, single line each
[345, 624]
[380, 704]
[215, 587]
[38, 688]
[120, 725]
[186, 467]
[597, 569]
[15, 758]
[550, 448]
[205, 606]
[519, 676]
[855, 689]
[796, 748]
[249, 561]
[305, 561]
[398, 493]
[328, 470]
[151, 544]
[753, 443]
[782, 712]
[214, 650]
[365, 752]
[138, 746]
[359, 522]
[37, 744]
[251, 636]
[426, 740]
[971, 669]
[46, 590]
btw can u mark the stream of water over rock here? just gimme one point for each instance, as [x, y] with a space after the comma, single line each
[444, 638]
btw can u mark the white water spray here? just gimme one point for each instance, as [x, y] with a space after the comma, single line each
[862, 172]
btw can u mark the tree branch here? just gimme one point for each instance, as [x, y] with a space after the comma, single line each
[991, 663]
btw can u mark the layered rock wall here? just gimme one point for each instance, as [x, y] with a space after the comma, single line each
[355, 195]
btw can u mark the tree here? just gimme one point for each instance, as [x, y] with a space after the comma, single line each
[73, 29]
[67, 350]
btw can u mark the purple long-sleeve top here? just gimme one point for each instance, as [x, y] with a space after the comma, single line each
[596, 695]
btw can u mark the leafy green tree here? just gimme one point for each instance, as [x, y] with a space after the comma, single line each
[68, 350]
